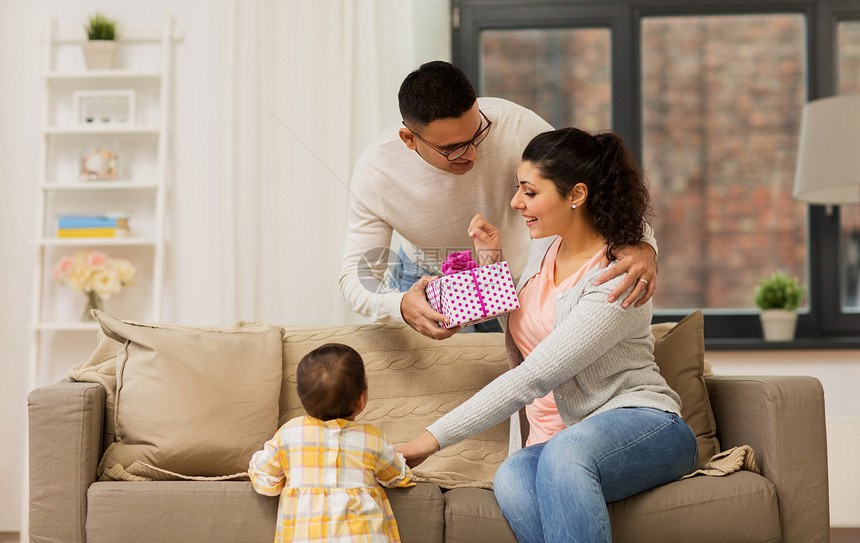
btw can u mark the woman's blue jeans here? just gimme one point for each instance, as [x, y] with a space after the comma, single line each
[558, 490]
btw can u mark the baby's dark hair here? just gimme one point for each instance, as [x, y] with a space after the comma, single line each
[330, 381]
[618, 198]
[436, 90]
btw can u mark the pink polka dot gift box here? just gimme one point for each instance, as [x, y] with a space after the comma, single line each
[473, 295]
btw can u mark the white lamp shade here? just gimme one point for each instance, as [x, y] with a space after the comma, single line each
[828, 154]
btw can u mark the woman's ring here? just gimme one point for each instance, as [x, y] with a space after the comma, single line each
[644, 281]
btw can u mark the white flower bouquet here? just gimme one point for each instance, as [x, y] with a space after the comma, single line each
[94, 272]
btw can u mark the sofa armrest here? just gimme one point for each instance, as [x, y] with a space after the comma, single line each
[66, 425]
[782, 419]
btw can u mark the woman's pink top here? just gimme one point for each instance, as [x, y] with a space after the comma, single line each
[532, 322]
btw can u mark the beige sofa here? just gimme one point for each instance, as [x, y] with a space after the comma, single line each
[781, 418]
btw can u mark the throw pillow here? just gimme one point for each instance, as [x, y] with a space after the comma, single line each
[412, 381]
[193, 401]
[680, 355]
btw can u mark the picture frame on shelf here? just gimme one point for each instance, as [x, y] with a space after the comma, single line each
[101, 107]
[99, 164]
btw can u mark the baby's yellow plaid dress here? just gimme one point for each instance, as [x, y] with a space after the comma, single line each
[326, 473]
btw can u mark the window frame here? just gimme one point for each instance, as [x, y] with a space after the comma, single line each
[823, 324]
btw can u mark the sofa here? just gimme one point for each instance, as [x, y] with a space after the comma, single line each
[75, 424]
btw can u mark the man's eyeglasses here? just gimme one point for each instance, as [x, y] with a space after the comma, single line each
[461, 149]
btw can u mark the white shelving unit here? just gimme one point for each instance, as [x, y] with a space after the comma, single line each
[144, 67]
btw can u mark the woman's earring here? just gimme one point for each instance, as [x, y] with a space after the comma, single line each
[573, 206]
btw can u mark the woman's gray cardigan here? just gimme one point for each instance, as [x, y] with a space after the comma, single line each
[598, 357]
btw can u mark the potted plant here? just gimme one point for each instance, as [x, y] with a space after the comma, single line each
[778, 297]
[100, 47]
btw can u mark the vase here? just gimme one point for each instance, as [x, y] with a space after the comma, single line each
[94, 301]
[778, 324]
[99, 54]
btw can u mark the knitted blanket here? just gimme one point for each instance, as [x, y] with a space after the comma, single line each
[729, 461]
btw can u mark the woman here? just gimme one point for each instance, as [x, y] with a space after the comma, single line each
[604, 425]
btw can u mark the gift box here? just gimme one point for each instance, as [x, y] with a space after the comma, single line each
[474, 295]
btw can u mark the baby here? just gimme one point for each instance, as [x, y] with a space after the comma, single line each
[325, 466]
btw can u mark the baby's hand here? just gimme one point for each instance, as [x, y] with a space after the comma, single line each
[488, 241]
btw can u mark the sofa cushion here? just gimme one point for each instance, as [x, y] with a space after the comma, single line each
[689, 510]
[412, 381]
[473, 514]
[178, 511]
[419, 512]
[680, 355]
[182, 511]
[193, 401]
[738, 507]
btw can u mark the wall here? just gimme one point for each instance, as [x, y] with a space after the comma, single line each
[838, 371]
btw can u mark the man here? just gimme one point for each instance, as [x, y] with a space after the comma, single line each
[424, 181]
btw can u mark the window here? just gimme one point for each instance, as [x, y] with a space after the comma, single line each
[721, 111]
[560, 74]
[709, 97]
[848, 82]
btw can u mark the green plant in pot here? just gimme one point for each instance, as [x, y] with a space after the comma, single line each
[778, 297]
[100, 47]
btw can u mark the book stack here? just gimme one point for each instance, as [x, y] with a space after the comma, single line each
[92, 226]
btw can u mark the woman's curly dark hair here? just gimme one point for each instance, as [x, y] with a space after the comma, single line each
[618, 198]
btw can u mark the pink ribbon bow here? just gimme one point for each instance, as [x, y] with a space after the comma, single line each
[458, 262]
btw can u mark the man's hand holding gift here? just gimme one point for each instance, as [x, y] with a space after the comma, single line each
[418, 313]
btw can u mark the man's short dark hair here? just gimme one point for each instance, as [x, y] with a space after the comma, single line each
[330, 380]
[436, 90]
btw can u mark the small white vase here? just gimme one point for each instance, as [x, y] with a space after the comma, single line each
[778, 324]
[99, 54]
[94, 301]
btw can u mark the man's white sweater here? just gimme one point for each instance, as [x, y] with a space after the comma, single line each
[394, 189]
